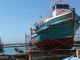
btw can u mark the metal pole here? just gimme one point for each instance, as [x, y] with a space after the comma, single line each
[26, 41]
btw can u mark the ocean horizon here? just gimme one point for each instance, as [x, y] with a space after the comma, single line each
[11, 50]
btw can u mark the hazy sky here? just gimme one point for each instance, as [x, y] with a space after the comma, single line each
[17, 16]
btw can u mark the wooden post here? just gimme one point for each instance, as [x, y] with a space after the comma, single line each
[78, 53]
[30, 57]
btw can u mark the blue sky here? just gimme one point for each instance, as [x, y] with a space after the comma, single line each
[17, 16]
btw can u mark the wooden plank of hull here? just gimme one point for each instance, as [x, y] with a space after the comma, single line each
[65, 43]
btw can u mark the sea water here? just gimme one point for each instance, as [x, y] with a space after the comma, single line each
[11, 50]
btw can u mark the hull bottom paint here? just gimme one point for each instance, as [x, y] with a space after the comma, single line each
[64, 43]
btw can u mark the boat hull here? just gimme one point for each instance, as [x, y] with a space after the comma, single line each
[57, 33]
[64, 43]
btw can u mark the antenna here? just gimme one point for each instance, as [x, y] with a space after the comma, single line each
[60, 1]
[50, 10]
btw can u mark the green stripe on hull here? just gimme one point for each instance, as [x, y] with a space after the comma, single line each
[56, 20]
[51, 22]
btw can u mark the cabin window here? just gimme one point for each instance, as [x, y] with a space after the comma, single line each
[53, 7]
[62, 6]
